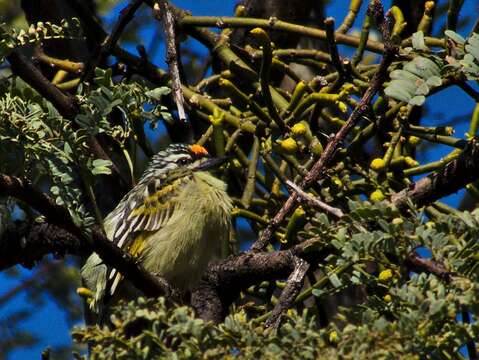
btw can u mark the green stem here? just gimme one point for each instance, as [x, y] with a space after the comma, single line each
[432, 165]
[354, 6]
[130, 165]
[251, 177]
[473, 190]
[358, 55]
[390, 151]
[206, 136]
[264, 75]
[440, 139]
[474, 122]
[399, 22]
[279, 25]
[249, 215]
[333, 48]
[68, 85]
[425, 23]
[246, 100]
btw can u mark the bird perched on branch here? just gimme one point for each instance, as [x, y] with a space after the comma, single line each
[174, 221]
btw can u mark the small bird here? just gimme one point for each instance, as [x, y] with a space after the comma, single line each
[174, 221]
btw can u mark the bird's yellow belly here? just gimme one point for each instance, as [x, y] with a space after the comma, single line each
[197, 233]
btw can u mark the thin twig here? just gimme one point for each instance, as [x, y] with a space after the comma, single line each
[419, 264]
[288, 295]
[318, 171]
[109, 42]
[315, 202]
[333, 48]
[251, 178]
[162, 12]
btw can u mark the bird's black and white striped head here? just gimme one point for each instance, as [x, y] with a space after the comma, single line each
[176, 158]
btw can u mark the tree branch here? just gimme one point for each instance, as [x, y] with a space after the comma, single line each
[109, 42]
[419, 264]
[451, 178]
[27, 244]
[64, 103]
[111, 254]
[162, 12]
[224, 280]
[294, 284]
[22, 67]
[318, 171]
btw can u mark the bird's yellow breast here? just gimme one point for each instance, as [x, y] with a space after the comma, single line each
[196, 233]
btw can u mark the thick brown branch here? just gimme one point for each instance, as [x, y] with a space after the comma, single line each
[26, 244]
[224, 280]
[451, 178]
[111, 254]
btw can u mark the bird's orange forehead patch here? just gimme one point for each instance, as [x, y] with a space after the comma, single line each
[198, 150]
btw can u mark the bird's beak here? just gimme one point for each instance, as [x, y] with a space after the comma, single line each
[213, 163]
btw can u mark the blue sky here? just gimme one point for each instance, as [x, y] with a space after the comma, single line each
[49, 322]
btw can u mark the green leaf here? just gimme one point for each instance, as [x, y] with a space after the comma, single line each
[434, 81]
[418, 41]
[458, 39]
[158, 93]
[402, 90]
[423, 67]
[335, 281]
[422, 89]
[436, 306]
[101, 166]
[403, 75]
[417, 100]
[318, 292]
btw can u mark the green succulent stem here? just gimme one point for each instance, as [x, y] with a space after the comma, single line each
[274, 24]
[474, 125]
[206, 136]
[358, 54]
[251, 175]
[439, 139]
[310, 100]
[399, 22]
[333, 48]
[69, 85]
[392, 146]
[350, 18]
[264, 75]
[426, 20]
[435, 130]
[435, 165]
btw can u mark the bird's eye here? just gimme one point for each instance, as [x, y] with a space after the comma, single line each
[183, 161]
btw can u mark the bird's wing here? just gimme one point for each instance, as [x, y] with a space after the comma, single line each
[141, 211]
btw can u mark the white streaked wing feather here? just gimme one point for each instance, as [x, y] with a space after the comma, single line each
[132, 220]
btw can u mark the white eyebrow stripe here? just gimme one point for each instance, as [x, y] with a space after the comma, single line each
[175, 157]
